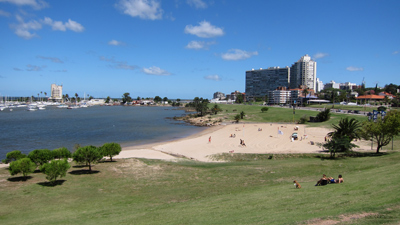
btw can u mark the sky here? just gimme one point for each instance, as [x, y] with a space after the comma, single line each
[190, 48]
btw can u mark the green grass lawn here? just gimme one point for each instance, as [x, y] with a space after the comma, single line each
[248, 189]
[252, 191]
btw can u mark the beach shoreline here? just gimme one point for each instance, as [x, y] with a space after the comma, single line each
[259, 138]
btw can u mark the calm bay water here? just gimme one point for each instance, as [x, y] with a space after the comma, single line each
[53, 128]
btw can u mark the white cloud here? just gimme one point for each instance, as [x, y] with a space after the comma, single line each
[237, 54]
[53, 59]
[23, 29]
[395, 52]
[213, 77]
[156, 71]
[144, 9]
[320, 55]
[353, 68]
[198, 4]
[74, 26]
[36, 4]
[116, 43]
[199, 45]
[204, 30]
[4, 13]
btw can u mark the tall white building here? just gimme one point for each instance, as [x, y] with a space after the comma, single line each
[303, 72]
[319, 85]
[56, 92]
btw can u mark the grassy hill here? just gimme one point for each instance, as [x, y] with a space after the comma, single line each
[257, 191]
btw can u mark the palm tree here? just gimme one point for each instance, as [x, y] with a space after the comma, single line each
[305, 92]
[350, 128]
[45, 94]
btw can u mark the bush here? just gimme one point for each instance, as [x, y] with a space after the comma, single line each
[54, 169]
[381, 108]
[264, 109]
[24, 166]
[304, 119]
[324, 115]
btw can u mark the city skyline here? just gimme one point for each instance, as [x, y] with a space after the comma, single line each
[189, 48]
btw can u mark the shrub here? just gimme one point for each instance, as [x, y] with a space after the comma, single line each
[304, 119]
[264, 109]
[324, 115]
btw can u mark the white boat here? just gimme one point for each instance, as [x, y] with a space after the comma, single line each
[32, 108]
[41, 108]
[73, 107]
[62, 106]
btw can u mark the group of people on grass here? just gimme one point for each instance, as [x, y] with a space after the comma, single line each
[329, 180]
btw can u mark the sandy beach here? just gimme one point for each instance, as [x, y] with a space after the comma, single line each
[258, 138]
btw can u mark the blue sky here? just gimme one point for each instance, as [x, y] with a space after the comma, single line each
[189, 48]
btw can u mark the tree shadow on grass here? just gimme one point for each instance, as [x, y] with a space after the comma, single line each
[340, 156]
[18, 179]
[79, 166]
[50, 184]
[108, 161]
[83, 172]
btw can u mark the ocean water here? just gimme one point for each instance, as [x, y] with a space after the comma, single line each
[54, 128]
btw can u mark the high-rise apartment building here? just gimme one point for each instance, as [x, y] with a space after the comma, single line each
[303, 72]
[259, 82]
[56, 92]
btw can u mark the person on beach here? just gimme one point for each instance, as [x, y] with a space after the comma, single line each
[209, 139]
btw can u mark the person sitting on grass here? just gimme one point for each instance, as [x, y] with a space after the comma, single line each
[339, 180]
[322, 181]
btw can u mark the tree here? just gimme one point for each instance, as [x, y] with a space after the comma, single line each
[264, 109]
[324, 115]
[13, 156]
[305, 92]
[383, 130]
[347, 128]
[40, 156]
[215, 109]
[157, 99]
[54, 169]
[126, 98]
[339, 144]
[108, 99]
[237, 118]
[239, 98]
[199, 104]
[24, 166]
[61, 153]
[88, 154]
[242, 115]
[165, 99]
[76, 97]
[110, 149]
